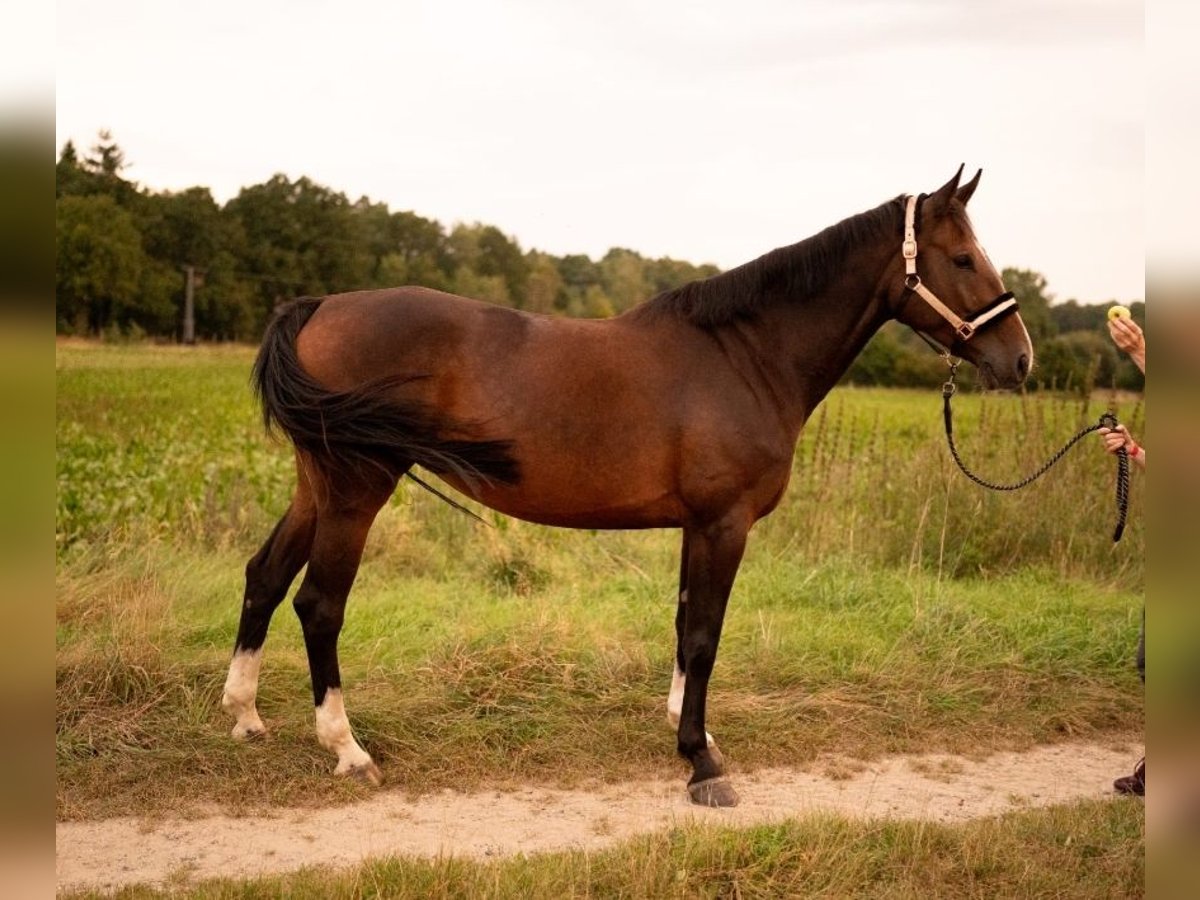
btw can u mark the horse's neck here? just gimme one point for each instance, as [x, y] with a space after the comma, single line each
[812, 341]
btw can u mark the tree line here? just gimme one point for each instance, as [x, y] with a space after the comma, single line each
[121, 249]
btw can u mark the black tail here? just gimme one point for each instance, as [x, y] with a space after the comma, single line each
[366, 427]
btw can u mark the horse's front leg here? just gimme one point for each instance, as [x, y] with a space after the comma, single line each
[678, 679]
[713, 555]
[675, 696]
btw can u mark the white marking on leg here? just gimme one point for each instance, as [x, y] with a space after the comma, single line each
[675, 702]
[241, 690]
[333, 731]
[675, 698]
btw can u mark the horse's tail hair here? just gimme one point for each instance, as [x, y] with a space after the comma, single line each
[364, 428]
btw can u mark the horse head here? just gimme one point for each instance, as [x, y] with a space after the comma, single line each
[965, 307]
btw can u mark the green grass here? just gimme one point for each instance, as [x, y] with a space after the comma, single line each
[888, 605]
[1088, 850]
[161, 443]
[456, 681]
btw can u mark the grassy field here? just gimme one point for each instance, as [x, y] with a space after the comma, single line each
[888, 605]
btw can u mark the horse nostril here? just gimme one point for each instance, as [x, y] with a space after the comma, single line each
[1022, 365]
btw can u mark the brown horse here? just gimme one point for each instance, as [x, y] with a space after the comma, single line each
[682, 413]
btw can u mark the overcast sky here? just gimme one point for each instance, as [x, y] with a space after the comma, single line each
[706, 131]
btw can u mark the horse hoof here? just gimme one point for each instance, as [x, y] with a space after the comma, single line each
[715, 792]
[367, 773]
[253, 732]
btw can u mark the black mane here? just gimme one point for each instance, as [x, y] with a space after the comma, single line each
[799, 270]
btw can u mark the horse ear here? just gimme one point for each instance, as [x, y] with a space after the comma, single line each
[939, 200]
[965, 192]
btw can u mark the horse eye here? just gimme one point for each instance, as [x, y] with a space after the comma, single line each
[964, 261]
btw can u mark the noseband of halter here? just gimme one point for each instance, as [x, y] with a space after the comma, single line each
[964, 328]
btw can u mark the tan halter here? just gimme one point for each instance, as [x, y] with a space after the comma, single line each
[964, 328]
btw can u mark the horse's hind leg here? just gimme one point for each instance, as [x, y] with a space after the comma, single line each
[343, 520]
[269, 574]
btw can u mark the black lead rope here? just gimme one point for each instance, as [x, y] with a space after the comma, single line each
[1107, 420]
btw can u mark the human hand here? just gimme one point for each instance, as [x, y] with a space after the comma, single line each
[1128, 336]
[1116, 438]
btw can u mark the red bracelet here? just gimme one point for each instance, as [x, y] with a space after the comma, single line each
[1136, 451]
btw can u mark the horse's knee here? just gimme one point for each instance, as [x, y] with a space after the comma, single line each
[699, 654]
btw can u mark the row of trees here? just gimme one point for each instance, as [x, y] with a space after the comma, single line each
[121, 250]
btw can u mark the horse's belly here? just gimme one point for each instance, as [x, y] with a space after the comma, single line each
[548, 501]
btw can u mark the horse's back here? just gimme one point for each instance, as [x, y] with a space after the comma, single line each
[361, 337]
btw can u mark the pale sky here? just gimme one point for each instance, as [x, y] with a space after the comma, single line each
[705, 131]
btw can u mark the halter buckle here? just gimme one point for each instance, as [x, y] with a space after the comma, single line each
[909, 249]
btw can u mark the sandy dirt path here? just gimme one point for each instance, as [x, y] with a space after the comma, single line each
[117, 852]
